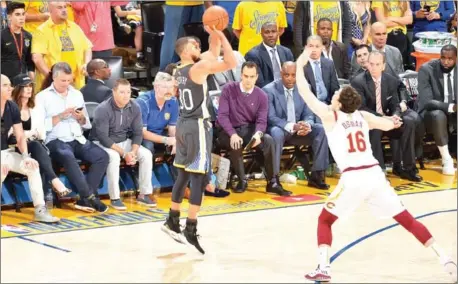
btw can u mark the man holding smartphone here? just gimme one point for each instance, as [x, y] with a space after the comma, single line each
[431, 15]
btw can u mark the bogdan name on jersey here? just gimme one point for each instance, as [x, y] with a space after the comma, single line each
[348, 124]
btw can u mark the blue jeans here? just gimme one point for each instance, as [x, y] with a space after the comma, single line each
[175, 18]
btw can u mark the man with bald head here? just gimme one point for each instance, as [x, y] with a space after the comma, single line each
[269, 56]
[95, 89]
[290, 121]
[393, 57]
[60, 40]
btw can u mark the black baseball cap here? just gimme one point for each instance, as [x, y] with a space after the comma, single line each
[21, 80]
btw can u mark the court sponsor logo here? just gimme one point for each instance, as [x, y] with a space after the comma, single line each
[212, 206]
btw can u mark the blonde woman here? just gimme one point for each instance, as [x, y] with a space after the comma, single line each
[396, 15]
[34, 130]
[360, 23]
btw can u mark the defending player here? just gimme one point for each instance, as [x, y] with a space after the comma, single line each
[362, 179]
[193, 133]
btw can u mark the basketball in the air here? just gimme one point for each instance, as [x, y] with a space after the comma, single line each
[216, 16]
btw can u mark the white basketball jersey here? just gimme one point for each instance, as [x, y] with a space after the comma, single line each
[349, 141]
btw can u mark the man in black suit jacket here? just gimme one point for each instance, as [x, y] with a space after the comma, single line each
[95, 89]
[320, 72]
[437, 87]
[333, 50]
[388, 105]
[291, 121]
[268, 55]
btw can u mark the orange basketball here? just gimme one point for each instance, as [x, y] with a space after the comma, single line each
[216, 16]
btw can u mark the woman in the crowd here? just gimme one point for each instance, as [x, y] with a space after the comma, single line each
[431, 16]
[360, 24]
[396, 15]
[34, 130]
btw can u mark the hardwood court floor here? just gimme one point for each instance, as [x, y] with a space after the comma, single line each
[270, 240]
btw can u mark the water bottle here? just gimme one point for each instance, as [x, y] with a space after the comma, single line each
[49, 200]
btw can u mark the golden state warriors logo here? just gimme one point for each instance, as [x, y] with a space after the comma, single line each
[330, 205]
[167, 116]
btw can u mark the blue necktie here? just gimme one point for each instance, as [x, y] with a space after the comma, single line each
[291, 113]
[321, 92]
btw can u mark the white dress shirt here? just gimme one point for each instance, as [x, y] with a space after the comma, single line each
[50, 103]
[450, 107]
[270, 53]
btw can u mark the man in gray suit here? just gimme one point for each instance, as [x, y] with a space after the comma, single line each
[437, 86]
[394, 64]
[291, 121]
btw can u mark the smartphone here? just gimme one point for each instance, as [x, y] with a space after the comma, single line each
[427, 8]
[79, 109]
[250, 144]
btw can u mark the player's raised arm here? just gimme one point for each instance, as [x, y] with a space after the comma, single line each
[319, 108]
[381, 122]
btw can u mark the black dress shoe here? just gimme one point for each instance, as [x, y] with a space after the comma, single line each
[397, 170]
[317, 180]
[421, 162]
[411, 175]
[276, 188]
[241, 186]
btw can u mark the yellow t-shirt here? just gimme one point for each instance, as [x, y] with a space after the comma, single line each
[38, 7]
[184, 3]
[249, 17]
[57, 43]
[394, 11]
[327, 9]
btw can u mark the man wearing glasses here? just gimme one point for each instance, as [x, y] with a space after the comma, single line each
[96, 90]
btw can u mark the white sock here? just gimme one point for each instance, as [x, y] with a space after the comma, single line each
[444, 153]
[323, 256]
[443, 257]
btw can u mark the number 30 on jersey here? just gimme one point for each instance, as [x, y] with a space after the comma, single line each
[185, 98]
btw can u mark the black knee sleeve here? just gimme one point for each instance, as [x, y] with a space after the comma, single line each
[198, 184]
[180, 185]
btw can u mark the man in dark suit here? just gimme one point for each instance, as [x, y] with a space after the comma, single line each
[380, 96]
[334, 50]
[268, 55]
[291, 121]
[320, 72]
[362, 59]
[437, 86]
[95, 90]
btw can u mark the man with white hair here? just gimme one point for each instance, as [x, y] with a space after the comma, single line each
[159, 109]
[15, 162]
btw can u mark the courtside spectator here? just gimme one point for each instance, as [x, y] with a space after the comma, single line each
[37, 12]
[452, 24]
[360, 12]
[320, 72]
[94, 18]
[269, 55]
[159, 109]
[361, 55]
[249, 17]
[431, 16]
[334, 50]
[396, 15]
[118, 130]
[393, 56]
[308, 13]
[60, 40]
[16, 44]
[242, 115]
[292, 122]
[177, 14]
[95, 89]
[33, 125]
[20, 162]
[437, 101]
[65, 114]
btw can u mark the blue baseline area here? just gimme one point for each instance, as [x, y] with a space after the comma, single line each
[161, 178]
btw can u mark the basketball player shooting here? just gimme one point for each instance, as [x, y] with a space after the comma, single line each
[362, 179]
[193, 130]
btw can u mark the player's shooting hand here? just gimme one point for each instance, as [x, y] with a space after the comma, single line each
[236, 142]
[304, 57]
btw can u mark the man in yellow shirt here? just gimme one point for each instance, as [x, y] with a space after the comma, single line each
[249, 17]
[37, 12]
[177, 14]
[60, 40]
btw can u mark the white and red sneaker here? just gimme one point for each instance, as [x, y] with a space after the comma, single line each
[320, 274]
